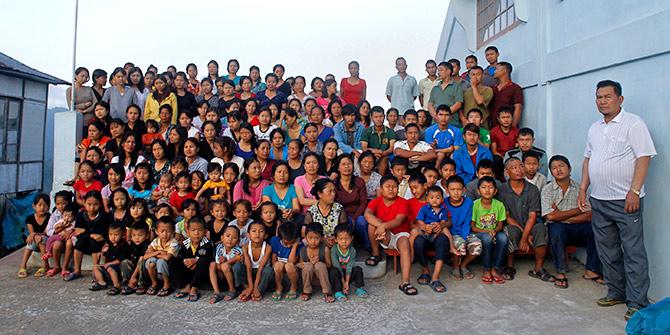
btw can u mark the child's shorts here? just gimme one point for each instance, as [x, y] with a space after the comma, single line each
[34, 246]
[471, 245]
[105, 274]
[87, 245]
[393, 241]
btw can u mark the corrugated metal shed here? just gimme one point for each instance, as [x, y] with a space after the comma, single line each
[9, 65]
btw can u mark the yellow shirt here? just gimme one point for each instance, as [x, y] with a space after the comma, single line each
[152, 107]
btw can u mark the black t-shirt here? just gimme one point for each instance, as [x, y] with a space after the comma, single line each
[203, 250]
[119, 252]
[187, 102]
[213, 235]
[135, 251]
[139, 129]
[98, 225]
[37, 227]
[285, 88]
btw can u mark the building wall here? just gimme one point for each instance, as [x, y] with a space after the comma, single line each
[559, 54]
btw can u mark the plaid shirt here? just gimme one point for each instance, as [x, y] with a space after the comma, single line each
[553, 194]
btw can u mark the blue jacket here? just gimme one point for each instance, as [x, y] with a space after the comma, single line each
[464, 167]
[341, 136]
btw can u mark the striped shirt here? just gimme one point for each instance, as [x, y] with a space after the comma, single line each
[612, 149]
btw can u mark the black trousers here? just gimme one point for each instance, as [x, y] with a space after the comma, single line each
[194, 277]
[336, 275]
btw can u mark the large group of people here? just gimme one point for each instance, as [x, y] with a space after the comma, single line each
[253, 184]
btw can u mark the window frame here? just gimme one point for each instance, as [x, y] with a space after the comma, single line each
[498, 30]
[5, 132]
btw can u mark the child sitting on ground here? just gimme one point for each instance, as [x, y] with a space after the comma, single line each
[115, 251]
[227, 254]
[159, 256]
[61, 232]
[89, 229]
[467, 245]
[255, 273]
[193, 261]
[36, 225]
[285, 251]
[314, 261]
[241, 212]
[344, 271]
[487, 217]
[131, 268]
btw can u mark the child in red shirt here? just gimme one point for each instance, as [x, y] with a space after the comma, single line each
[86, 181]
[503, 136]
[388, 226]
[182, 192]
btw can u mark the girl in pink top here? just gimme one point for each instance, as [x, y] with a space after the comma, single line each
[303, 184]
[251, 186]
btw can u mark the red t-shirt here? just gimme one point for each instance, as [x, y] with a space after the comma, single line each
[352, 94]
[414, 205]
[504, 142]
[509, 96]
[81, 189]
[254, 122]
[176, 200]
[388, 213]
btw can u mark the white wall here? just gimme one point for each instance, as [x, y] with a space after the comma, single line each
[560, 54]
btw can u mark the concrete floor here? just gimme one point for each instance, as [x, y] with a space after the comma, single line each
[522, 306]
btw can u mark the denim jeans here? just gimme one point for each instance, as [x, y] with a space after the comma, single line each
[493, 252]
[580, 234]
[360, 227]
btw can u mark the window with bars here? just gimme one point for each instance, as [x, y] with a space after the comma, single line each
[494, 18]
[10, 121]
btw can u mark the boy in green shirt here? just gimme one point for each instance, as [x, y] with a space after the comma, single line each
[487, 217]
[475, 116]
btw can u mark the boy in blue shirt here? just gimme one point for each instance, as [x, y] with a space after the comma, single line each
[285, 251]
[445, 138]
[467, 245]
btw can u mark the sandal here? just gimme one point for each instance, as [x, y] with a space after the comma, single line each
[40, 272]
[53, 272]
[71, 276]
[276, 296]
[257, 299]
[97, 287]
[340, 296]
[245, 297]
[561, 282]
[487, 279]
[152, 290]
[361, 293]
[542, 275]
[456, 274]
[508, 273]
[164, 292]
[230, 295]
[467, 273]
[193, 297]
[291, 296]
[408, 289]
[424, 279]
[328, 298]
[141, 290]
[373, 260]
[597, 279]
[438, 287]
[180, 295]
[126, 290]
[64, 273]
[305, 296]
[114, 291]
[23, 273]
[498, 279]
[216, 297]
[47, 256]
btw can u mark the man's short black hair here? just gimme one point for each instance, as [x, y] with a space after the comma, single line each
[560, 158]
[414, 125]
[485, 164]
[471, 56]
[287, 231]
[387, 178]
[442, 107]
[507, 66]
[475, 110]
[491, 47]
[487, 179]
[455, 61]
[314, 228]
[455, 179]
[530, 154]
[447, 65]
[615, 85]
[399, 161]
[525, 131]
[470, 127]
[418, 177]
[430, 61]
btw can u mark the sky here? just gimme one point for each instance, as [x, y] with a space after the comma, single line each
[308, 38]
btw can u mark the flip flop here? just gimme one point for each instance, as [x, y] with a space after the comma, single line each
[193, 297]
[53, 272]
[467, 274]
[487, 279]
[40, 272]
[456, 274]
[305, 297]
[561, 283]
[597, 279]
[216, 298]
[230, 295]
[361, 293]
[373, 260]
[438, 287]
[114, 291]
[164, 292]
[71, 276]
[329, 298]
[276, 296]
[542, 275]
[23, 273]
[498, 279]
[291, 296]
[151, 290]
[408, 289]
[180, 295]
[424, 279]
[340, 296]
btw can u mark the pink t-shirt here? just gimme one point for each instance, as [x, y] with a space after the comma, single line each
[256, 192]
[306, 188]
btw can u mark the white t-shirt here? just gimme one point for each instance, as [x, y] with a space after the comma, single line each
[419, 147]
[263, 135]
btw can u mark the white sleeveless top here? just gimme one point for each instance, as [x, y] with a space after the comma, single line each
[256, 263]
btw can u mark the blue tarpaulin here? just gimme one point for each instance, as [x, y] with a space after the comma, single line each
[14, 224]
[653, 320]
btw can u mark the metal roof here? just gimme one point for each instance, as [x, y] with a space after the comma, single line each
[11, 66]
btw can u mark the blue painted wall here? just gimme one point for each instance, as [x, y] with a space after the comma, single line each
[562, 50]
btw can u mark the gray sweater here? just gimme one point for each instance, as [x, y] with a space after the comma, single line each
[119, 103]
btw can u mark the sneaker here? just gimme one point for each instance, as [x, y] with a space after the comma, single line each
[630, 312]
[608, 302]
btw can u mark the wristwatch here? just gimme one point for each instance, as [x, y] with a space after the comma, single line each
[637, 192]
